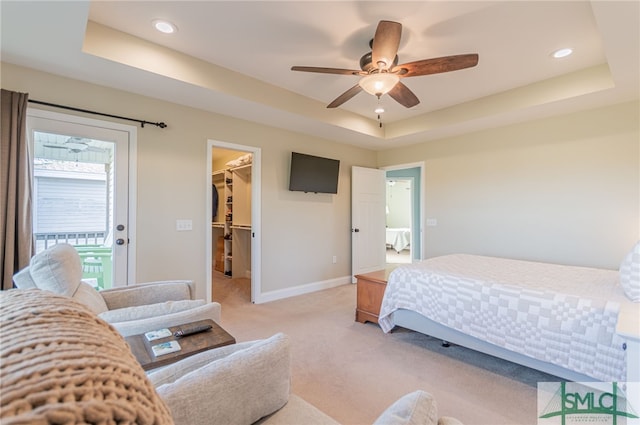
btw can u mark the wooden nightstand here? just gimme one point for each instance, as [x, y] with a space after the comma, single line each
[370, 291]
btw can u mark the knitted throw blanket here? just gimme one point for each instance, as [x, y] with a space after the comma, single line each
[63, 365]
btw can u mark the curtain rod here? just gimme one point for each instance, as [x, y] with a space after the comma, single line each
[142, 122]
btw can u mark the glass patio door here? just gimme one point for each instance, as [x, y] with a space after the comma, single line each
[80, 197]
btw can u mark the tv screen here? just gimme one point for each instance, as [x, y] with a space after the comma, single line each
[313, 173]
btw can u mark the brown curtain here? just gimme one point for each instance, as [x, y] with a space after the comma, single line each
[16, 232]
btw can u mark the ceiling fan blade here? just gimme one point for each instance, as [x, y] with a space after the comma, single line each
[401, 94]
[55, 146]
[385, 44]
[326, 70]
[437, 65]
[345, 96]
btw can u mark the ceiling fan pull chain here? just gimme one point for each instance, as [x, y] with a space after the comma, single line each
[379, 110]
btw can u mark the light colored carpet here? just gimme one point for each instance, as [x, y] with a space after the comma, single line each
[353, 371]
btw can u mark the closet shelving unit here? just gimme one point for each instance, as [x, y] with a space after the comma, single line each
[232, 224]
[219, 225]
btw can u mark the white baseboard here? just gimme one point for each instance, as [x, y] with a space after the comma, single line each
[279, 294]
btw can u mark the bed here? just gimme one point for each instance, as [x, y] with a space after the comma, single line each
[559, 319]
[398, 238]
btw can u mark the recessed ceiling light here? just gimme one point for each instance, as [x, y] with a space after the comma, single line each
[561, 53]
[164, 26]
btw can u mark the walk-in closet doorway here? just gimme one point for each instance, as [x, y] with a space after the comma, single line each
[233, 210]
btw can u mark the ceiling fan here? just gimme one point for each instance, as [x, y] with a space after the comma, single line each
[76, 145]
[381, 73]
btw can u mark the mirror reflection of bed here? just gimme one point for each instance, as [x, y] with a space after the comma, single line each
[398, 225]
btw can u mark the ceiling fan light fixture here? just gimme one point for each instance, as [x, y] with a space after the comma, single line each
[379, 83]
[379, 110]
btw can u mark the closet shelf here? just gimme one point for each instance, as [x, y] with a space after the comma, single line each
[242, 167]
[234, 210]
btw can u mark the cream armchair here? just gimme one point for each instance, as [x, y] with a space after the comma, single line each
[96, 378]
[250, 383]
[131, 310]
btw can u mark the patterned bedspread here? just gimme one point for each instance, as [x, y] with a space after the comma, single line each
[564, 315]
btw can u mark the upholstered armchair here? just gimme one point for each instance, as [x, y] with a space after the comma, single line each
[61, 364]
[131, 310]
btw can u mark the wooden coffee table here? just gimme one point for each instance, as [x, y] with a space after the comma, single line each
[190, 345]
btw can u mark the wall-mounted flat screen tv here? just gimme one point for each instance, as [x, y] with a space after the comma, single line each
[313, 173]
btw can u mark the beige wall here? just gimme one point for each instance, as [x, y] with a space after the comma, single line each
[564, 189]
[300, 232]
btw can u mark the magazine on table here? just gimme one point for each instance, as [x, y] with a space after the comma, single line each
[160, 333]
[165, 348]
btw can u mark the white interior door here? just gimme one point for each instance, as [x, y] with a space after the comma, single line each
[82, 196]
[368, 196]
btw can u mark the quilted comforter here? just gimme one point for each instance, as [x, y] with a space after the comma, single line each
[564, 315]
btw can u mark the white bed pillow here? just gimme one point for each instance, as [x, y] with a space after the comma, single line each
[630, 274]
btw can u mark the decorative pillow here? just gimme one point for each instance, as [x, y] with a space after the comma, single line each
[57, 269]
[89, 296]
[23, 279]
[63, 365]
[630, 274]
[152, 310]
[416, 408]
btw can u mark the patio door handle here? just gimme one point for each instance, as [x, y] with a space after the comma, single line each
[120, 241]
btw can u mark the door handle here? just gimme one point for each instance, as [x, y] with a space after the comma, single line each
[120, 227]
[356, 230]
[120, 241]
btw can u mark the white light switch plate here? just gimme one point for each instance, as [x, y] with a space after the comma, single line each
[184, 225]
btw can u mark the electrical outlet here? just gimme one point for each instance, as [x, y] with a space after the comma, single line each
[184, 225]
[432, 222]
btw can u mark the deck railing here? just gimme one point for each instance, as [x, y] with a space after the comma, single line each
[45, 240]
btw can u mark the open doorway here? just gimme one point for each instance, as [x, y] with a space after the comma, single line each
[233, 210]
[404, 185]
[399, 210]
